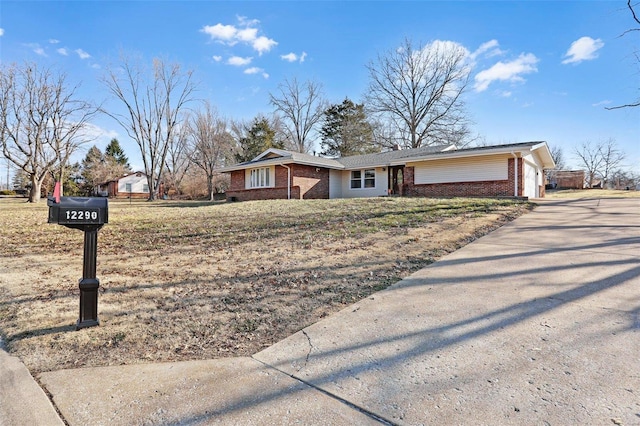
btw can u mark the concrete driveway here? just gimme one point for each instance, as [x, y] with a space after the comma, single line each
[537, 323]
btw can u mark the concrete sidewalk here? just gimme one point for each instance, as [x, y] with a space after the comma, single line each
[535, 323]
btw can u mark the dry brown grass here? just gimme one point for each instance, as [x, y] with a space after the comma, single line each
[592, 193]
[199, 280]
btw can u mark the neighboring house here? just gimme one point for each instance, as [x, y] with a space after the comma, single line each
[441, 171]
[132, 185]
[567, 179]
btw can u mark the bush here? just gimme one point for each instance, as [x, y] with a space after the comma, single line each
[7, 192]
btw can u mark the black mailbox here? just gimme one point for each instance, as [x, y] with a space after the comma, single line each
[78, 212]
[88, 215]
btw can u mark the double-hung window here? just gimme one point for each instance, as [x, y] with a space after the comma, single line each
[260, 178]
[370, 178]
[363, 179]
[356, 179]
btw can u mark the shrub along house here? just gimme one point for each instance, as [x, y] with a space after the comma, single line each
[513, 170]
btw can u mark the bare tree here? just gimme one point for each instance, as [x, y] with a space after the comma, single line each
[599, 160]
[611, 159]
[588, 155]
[636, 18]
[302, 107]
[153, 103]
[211, 143]
[419, 91]
[178, 162]
[41, 122]
[558, 157]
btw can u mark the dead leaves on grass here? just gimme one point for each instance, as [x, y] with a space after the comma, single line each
[216, 280]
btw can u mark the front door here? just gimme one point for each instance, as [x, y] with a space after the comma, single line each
[396, 181]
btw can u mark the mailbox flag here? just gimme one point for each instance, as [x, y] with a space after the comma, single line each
[56, 192]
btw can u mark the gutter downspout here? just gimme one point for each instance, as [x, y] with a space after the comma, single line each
[515, 171]
[288, 180]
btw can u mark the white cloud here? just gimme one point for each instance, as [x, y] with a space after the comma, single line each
[446, 46]
[245, 32]
[1, 32]
[82, 54]
[292, 57]
[37, 49]
[217, 58]
[583, 49]
[487, 49]
[220, 32]
[246, 22]
[256, 70]
[504, 93]
[63, 51]
[93, 132]
[263, 44]
[53, 41]
[239, 61]
[601, 103]
[506, 71]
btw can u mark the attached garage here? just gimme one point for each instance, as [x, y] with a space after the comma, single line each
[477, 169]
[530, 186]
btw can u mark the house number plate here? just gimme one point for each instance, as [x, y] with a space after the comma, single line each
[82, 216]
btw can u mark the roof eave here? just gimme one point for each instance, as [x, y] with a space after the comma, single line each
[276, 162]
[458, 154]
[543, 151]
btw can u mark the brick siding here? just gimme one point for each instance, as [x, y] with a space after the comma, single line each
[313, 181]
[496, 188]
[308, 183]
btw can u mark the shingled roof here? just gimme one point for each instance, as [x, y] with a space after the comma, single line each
[381, 159]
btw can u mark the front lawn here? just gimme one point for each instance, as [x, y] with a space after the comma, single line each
[193, 280]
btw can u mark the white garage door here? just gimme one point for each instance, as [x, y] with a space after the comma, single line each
[530, 187]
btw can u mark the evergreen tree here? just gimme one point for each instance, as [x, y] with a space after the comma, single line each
[114, 151]
[260, 137]
[346, 131]
[93, 169]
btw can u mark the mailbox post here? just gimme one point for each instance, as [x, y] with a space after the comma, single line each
[87, 214]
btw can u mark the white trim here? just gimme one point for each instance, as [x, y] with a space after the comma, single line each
[515, 174]
[268, 178]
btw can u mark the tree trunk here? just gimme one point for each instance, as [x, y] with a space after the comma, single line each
[36, 187]
[152, 188]
[210, 187]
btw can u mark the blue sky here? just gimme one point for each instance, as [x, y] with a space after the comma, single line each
[543, 70]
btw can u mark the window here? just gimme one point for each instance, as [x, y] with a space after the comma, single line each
[145, 187]
[363, 179]
[370, 178]
[127, 187]
[356, 179]
[260, 178]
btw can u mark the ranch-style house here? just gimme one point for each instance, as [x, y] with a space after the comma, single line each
[512, 170]
[132, 185]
